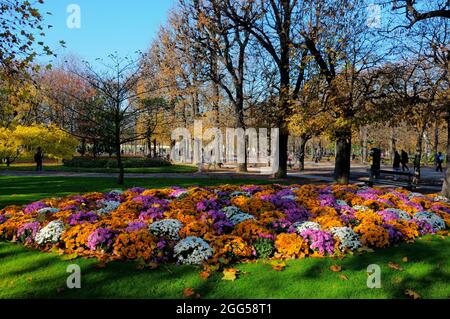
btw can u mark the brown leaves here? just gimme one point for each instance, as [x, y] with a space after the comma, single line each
[278, 266]
[343, 277]
[230, 274]
[395, 266]
[191, 293]
[412, 294]
[205, 274]
[335, 268]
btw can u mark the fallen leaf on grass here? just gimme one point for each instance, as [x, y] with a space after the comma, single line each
[335, 268]
[70, 256]
[278, 266]
[230, 274]
[343, 277]
[30, 279]
[205, 274]
[412, 294]
[190, 293]
[405, 259]
[395, 266]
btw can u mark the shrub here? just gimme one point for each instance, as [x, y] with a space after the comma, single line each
[102, 162]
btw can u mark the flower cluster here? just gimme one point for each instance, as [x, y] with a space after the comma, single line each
[225, 223]
[192, 251]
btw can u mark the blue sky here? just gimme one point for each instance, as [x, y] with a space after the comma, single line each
[106, 26]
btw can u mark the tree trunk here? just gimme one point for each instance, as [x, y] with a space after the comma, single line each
[427, 149]
[343, 156]
[418, 157]
[436, 140]
[363, 144]
[121, 178]
[301, 152]
[8, 162]
[282, 158]
[393, 144]
[154, 148]
[446, 184]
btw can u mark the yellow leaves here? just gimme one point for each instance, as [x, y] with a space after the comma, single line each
[190, 293]
[365, 250]
[70, 256]
[395, 266]
[405, 259]
[412, 294]
[278, 266]
[230, 274]
[335, 268]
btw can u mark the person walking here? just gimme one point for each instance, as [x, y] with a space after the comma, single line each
[396, 164]
[439, 161]
[404, 161]
[38, 159]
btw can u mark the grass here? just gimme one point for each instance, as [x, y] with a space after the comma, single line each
[141, 170]
[27, 273]
[19, 190]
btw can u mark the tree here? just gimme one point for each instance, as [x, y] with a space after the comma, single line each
[427, 11]
[24, 140]
[115, 99]
[275, 26]
[344, 49]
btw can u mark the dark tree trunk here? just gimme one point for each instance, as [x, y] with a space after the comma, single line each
[8, 162]
[343, 156]
[282, 158]
[154, 148]
[301, 152]
[418, 157]
[436, 140]
[446, 185]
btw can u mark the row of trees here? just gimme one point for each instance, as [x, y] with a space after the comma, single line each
[308, 67]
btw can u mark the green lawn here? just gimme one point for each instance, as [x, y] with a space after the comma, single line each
[22, 190]
[143, 170]
[26, 273]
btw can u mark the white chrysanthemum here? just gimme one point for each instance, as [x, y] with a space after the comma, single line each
[434, 220]
[192, 251]
[341, 202]
[107, 206]
[441, 198]
[412, 195]
[360, 208]
[116, 191]
[347, 237]
[47, 210]
[50, 233]
[235, 215]
[240, 193]
[400, 213]
[302, 226]
[167, 228]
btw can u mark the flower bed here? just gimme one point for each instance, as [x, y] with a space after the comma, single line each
[226, 223]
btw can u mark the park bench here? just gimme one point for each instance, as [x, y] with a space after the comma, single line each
[378, 176]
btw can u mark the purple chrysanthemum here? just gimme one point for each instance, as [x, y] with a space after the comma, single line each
[319, 240]
[101, 237]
